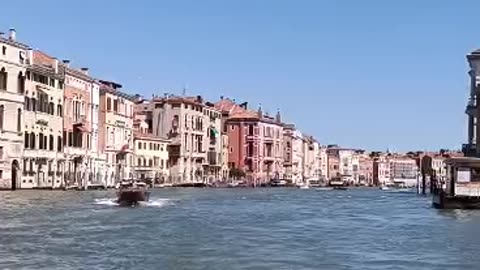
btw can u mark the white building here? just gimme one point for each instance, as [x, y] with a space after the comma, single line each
[346, 164]
[13, 62]
[323, 156]
[43, 159]
[97, 155]
[213, 138]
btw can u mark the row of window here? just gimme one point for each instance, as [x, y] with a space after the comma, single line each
[196, 122]
[49, 81]
[156, 162]
[42, 142]
[197, 108]
[42, 105]
[151, 146]
[21, 80]
[120, 107]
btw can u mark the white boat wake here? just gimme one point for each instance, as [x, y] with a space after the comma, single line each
[156, 202]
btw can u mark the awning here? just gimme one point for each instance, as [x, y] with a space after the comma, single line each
[213, 132]
[82, 128]
[124, 148]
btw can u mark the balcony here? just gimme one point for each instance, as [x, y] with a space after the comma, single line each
[79, 120]
[268, 139]
[269, 158]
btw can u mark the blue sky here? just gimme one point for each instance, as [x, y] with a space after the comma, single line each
[371, 74]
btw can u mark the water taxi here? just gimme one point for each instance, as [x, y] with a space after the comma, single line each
[131, 193]
[461, 190]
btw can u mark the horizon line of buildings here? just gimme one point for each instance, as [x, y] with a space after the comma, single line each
[60, 127]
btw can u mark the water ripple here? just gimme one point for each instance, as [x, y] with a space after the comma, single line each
[235, 229]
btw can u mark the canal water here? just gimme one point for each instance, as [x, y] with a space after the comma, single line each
[235, 229]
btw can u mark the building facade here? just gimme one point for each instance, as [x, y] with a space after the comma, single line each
[365, 174]
[214, 140]
[13, 66]
[151, 152]
[43, 158]
[381, 170]
[403, 170]
[97, 156]
[333, 162]
[295, 151]
[77, 126]
[116, 132]
[255, 141]
[182, 120]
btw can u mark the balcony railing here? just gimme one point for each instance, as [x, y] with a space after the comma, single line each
[79, 120]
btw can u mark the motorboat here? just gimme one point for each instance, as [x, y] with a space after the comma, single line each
[303, 186]
[131, 193]
[384, 188]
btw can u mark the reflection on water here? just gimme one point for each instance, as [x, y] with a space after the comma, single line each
[235, 229]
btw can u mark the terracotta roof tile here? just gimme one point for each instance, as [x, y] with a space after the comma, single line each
[41, 58]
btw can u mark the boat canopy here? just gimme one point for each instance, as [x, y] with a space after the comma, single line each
[468, 162]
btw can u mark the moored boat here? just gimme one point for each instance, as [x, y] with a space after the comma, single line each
[303, 186]
[461, 190]
[131, 193]
[324, 188]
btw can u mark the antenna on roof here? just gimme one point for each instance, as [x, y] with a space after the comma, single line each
[184, 92]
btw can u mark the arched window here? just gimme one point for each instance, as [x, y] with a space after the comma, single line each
[2, 112]
[150, 163]
[19, 120]
[59, 110]
[51, 143]
[32, 140]
[26, 141]
[27, 103]
[3, 79]
[51, 108]
[34, 104]
[40, 141]
[59, 144]
[21, 83]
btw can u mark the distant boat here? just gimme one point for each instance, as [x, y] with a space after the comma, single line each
[324, 188]
[340, 188]
[303, 186]
[384, 188]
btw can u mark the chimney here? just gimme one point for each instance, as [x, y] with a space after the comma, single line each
[221, 97]
[13, 34]
[84, 70]
[278, 117]
[259, 112]
[55, 65]
[1, 34]
[66, 62]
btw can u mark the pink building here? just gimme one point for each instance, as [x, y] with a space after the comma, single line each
[255, 141]
[365, 172]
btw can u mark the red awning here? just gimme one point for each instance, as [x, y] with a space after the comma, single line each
[124, 148]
